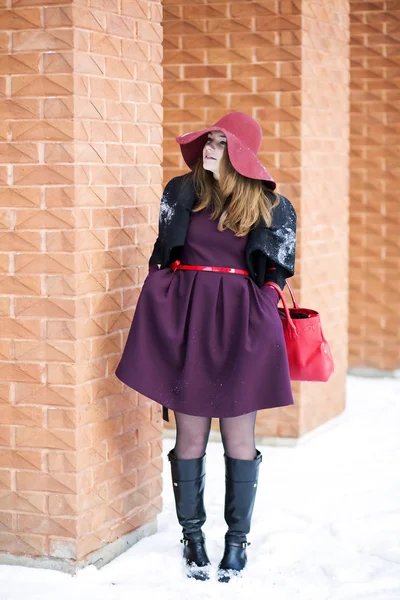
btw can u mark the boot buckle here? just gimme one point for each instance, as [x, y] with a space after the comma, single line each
[185, 542]
[245, 544]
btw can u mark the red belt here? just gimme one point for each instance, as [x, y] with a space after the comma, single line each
[177, 265]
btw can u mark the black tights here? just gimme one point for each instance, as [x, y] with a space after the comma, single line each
[237, 436]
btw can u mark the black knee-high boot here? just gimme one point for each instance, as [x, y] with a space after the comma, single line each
[241, 480]
[188, 480]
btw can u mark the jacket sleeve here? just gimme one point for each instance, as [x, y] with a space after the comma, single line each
[155, 258]
[169, 191]
[280, 260]
[270, 271]
[282, 243]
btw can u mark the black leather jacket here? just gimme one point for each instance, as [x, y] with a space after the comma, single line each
[267, 247]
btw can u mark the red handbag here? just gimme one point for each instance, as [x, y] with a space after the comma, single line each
[310, 358]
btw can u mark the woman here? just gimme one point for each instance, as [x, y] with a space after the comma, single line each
[208, 342]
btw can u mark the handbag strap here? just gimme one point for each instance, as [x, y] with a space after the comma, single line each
[285, 306]
[292, 295]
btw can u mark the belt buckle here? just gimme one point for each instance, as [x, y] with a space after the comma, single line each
[175, 265]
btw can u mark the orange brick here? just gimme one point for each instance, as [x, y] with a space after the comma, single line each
[138, 9]
[32, 502]
[122, 443]
[149, 32]
[44, 482]
[150, 471]
[5, 480]
[41, 85]
[22, 544]
[21, 18]
[43, 525]
[37, 437]
[24, 64]
[27, 416]
[57, 16]
[148, 432]
[105, 44]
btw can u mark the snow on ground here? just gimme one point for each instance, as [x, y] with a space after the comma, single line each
[326, 524]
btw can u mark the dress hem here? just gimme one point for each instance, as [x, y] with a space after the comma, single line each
[162, 403]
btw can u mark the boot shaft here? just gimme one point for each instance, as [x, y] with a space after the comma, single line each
[241, 481]
[187, 469]
[188, 481]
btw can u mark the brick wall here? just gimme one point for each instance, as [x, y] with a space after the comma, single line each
[80, 461]
[281, 62]
[324, 194]
[38, 321]
[374, 330]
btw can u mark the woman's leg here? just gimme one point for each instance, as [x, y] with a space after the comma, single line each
[188, 470]
[238, 436]
[192, 435]
[242, 461]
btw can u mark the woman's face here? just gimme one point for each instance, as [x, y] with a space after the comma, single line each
[213, 151]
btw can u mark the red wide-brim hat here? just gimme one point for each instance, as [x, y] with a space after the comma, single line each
[243, 135]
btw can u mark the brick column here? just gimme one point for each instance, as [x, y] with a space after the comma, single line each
[284, 63]
[374, 330]
[80, 464]
[323, 265]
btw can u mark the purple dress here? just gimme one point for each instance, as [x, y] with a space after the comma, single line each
[207, 343]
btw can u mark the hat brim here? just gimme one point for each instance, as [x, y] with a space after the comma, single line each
[243, 160]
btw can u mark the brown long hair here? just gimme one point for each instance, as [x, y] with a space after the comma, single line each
[249, 199]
